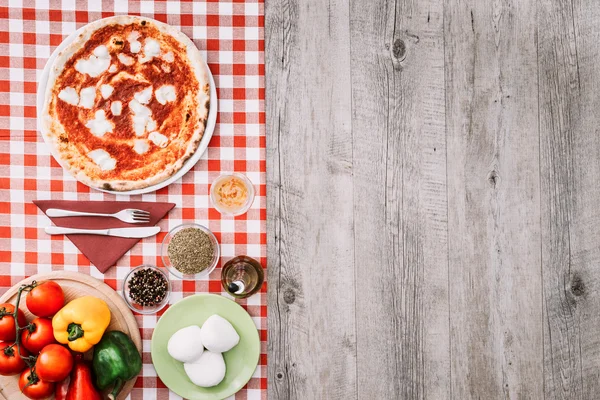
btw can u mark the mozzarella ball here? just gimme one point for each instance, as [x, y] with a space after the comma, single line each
[185, 345]
[207, 371]
[218, 335]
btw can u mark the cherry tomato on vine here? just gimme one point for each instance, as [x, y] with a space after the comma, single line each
[54, 363]
[10, 362]
[38, 335]
[33, 387]
[45, 299]
[7, 322]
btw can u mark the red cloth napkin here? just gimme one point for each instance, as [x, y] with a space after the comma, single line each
[103, 251]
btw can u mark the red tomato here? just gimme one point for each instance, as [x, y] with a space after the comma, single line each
[10, 362]
[54, 363]
[45, 299]
[38, 336]
[8, 331]
[38, 389]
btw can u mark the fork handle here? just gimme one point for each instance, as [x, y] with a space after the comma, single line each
[56, 212]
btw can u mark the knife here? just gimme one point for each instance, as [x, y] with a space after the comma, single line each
[120, 232]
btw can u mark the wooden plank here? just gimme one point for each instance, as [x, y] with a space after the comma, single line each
[400, 209]
[493, 199]
[312, 347]
[570, 167]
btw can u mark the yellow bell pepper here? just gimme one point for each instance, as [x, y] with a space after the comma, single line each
[81, 323]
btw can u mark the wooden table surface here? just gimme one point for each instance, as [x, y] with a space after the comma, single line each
[433, 199]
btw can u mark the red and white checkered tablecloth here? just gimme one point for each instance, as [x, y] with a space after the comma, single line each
[229, 33]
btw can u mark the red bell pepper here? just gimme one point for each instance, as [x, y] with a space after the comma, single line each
[62, 388]
[80, 386]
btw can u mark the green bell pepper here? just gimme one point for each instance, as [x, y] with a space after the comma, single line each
[116, 360]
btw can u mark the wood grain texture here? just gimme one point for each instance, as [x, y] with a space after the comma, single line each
[432, 199]
[399, 166]
[493, 199]
[310, 207]
[570, 167]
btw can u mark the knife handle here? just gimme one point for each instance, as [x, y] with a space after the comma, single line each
[59, 230]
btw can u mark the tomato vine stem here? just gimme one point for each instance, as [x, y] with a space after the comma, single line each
[29, 360]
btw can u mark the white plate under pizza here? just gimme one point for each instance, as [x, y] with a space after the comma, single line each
[127, 105]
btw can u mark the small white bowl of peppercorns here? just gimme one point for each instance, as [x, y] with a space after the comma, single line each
[146, 289]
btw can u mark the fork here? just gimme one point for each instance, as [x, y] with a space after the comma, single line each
[129, 215]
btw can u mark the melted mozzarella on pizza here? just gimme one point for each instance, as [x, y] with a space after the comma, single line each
[69, 95]
[125, 59]
[99, 125]
[144, 96]
[106, 91]
[87, 97]
[116, 107]
[134, 44]
[165, 94]
[102, 159]
[141, 117]
[140, 146]
[168, 57]
[158, 139]
[95, 64]
[151, 50]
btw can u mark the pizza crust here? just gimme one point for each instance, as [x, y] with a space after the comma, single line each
[54, 133]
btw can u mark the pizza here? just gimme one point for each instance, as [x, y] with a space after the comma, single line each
[126, 103]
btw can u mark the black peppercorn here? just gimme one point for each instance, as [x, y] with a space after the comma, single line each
[147, 287]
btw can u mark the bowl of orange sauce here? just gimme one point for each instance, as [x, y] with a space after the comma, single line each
[232, 194]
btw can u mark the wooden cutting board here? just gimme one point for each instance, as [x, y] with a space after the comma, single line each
[74, 285]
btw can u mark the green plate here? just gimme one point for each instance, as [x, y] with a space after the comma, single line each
[241, 361]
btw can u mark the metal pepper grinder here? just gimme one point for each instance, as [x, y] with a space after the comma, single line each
[242, 276]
